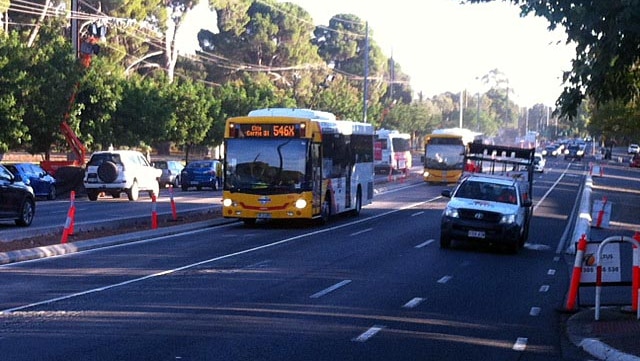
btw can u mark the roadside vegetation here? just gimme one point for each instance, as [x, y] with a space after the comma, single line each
[140, 90]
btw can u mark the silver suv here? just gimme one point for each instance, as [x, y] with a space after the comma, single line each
[116, 171]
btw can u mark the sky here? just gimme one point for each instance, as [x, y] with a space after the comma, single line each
[445, 46]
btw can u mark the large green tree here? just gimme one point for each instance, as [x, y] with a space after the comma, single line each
[13, 132]
[46, 93]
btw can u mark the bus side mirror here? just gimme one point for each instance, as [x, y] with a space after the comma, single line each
[446, 193]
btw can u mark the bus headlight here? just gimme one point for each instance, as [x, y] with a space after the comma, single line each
[227, 202]
[425, 174]
[301, 203]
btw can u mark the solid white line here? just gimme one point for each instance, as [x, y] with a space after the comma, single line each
[330, 289]
[368, 334]
[211, 260]
[361, 232]
[413, 303]
[445, 279]
[521, 344]
[426, 243]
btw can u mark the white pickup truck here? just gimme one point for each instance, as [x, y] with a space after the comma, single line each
[492, 205]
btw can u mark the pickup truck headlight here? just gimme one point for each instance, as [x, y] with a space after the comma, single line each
[451, 212]
[508, 219]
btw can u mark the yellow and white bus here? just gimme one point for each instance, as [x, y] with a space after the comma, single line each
[444, 154]
[283, 163]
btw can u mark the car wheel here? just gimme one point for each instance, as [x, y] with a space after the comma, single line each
[155, 190]
[93, 195]
[513, 247]
[133, 193]
[445, 241]
[108, 172]
[27, 213]
[185, 187]
[176, 182]
[52, 193]
[214, 186]
[115, 194]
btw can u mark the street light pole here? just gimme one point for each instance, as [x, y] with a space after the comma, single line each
[461, 108]
[366, 71]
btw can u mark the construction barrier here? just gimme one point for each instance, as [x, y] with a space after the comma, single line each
[576, 274]
[636, 264]
[68, 224]
[601, 213]
[154, 213]
[595, 170]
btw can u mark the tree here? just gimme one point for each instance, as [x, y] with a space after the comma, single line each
[45, 94]
[13, 132]
[143, 115]
[191, 119]
[607, 37]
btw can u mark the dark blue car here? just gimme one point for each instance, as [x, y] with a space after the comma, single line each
[201, 174]
[43, 184]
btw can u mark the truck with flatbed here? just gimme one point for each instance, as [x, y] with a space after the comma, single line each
[492, 204]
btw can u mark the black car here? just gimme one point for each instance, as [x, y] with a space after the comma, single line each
[17, 200]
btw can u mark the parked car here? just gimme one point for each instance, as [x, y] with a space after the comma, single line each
[17, 200]
[42, 183]
[635, 161]
[202, 173]
[538, 163]
[633, 149]
[117, 171]
[171, 170]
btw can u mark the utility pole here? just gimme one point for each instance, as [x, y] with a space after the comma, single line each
[461, 108]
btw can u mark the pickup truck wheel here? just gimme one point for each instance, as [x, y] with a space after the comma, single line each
[445, 242]
[133, 193]
[93, 195]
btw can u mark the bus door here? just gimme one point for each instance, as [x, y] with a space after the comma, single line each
[316, 171]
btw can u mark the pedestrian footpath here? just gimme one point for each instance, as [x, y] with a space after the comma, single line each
[615, 211]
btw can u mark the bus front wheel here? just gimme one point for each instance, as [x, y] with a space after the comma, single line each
[326, 210]
[358, 205]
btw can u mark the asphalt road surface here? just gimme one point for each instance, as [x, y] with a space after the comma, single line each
[375, 287]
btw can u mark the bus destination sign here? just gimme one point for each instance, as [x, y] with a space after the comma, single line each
[270, 130]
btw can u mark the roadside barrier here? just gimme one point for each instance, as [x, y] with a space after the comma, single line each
[636, 261]
[576, 274]
[174, 212]
[602, 213]
[68, 224]
[596, 170]
[154, 213]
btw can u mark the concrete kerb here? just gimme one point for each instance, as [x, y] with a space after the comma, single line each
[73, 247]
